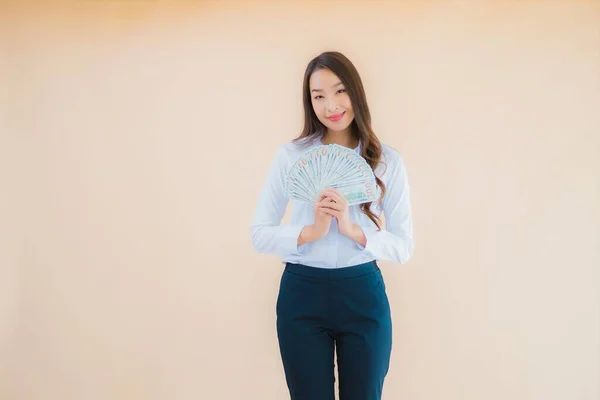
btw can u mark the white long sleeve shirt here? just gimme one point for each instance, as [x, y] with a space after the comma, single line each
[393, 243]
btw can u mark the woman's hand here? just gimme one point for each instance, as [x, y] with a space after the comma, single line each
[335, 205]
[322, 219]
[320, 227]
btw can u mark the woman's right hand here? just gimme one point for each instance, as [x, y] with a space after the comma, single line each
[322, 219]
[320, 227]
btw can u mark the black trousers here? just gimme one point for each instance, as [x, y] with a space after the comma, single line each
[346, 309]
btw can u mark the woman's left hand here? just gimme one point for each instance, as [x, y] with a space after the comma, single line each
[337, 206]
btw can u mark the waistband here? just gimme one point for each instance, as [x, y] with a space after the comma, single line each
[332, 273]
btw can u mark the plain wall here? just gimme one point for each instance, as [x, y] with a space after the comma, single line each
[136, 136]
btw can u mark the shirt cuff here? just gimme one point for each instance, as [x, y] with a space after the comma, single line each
[289, 239]
[371, 236]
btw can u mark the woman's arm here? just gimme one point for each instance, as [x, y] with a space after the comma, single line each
[268, 235]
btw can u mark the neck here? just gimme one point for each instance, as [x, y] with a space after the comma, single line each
[343, 138]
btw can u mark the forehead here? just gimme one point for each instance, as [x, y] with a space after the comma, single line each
[323, 79]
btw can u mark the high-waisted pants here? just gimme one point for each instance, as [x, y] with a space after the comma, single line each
[345, 310]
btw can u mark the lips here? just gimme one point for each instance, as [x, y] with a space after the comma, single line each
[336, 117]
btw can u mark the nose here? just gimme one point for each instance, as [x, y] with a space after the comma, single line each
[331, 106]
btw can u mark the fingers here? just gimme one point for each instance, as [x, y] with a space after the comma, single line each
[319, 209]
[323, 194]
[335, 195]
[333, 203]
[328, 191]
[330, 204]
[320, 200]
[331, 212]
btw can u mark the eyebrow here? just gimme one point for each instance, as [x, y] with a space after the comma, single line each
[320, 90]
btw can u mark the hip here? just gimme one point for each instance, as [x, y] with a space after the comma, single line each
[355, 293]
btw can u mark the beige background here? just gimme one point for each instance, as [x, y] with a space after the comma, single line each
[129, 131]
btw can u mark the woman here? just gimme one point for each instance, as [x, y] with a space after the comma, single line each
[332, 293]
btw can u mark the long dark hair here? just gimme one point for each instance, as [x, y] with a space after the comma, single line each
[371, 150]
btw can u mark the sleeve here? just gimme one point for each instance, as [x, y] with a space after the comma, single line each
[268, 235]
[395, 242]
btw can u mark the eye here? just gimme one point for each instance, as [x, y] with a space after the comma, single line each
[342, 91]
[317, 97]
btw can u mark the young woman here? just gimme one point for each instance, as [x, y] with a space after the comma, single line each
[332, 293]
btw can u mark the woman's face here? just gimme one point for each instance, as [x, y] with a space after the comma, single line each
[330, 100]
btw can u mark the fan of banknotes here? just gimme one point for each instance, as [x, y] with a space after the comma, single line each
[331, 166]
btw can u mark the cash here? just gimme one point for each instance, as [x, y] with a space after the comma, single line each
[331, 166]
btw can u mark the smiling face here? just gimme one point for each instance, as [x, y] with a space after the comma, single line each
[330, 100]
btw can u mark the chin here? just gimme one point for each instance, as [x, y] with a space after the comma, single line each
[338, 128]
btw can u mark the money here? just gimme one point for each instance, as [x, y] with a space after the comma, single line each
[331, 166]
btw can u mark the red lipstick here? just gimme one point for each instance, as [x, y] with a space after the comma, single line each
[336, 118]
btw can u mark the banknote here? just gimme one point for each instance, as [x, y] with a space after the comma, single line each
[331, 166]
